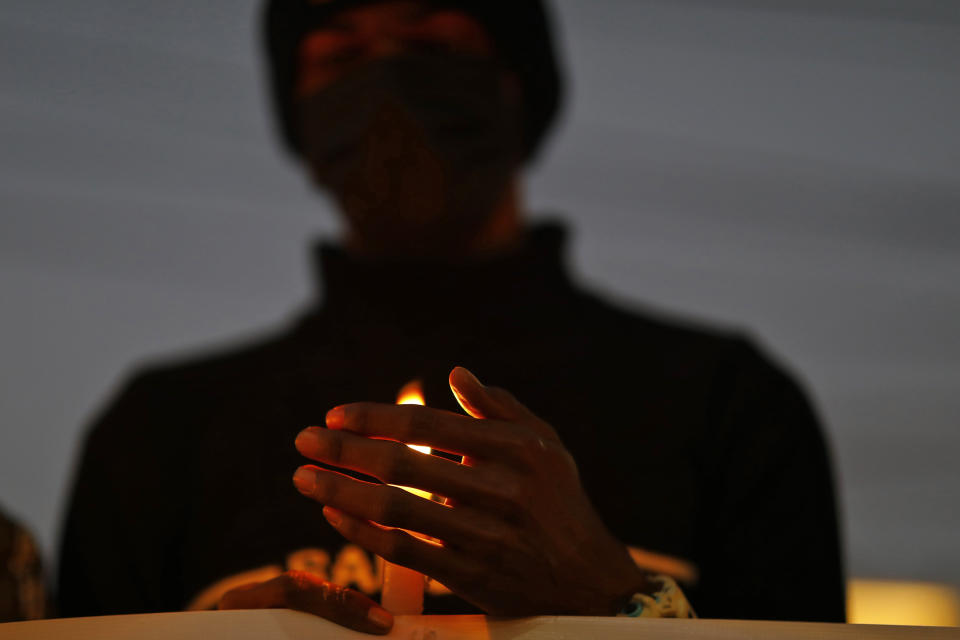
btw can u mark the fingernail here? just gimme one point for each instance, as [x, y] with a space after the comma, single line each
[305, 480]
[380, 617]
[308, 441]
[335, 418]
[473, 377]
[333, 516]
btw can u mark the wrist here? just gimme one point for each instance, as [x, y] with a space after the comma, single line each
[634, 581]
[667, 600]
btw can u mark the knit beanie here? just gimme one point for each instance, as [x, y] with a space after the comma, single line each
[519, 28]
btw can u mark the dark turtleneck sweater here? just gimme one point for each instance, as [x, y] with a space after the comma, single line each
[690, 442]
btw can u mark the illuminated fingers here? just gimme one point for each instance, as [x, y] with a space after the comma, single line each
[481, 401]
[442, 430]
[387, 460]
[395, 507]
[400, 547]
[394, 463]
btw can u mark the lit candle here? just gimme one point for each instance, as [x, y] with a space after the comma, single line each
[402, 587]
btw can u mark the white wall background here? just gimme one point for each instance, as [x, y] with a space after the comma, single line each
[790, 167]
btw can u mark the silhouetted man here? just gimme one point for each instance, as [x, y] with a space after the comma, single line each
[642, 441]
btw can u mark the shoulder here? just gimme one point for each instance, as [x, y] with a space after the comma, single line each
[725, 373]
[721, 389]
[675, 343]
[162, 397]
[230, 361]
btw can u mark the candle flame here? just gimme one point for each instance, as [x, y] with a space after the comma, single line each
[412, 393]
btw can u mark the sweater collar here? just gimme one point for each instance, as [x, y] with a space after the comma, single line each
[414, 289]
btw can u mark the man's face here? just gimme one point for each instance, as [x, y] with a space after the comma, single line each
[410, 122]
[382, 29]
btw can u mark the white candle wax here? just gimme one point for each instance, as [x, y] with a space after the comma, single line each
[402, 590]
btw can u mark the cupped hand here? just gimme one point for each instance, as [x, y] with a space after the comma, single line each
[516, 534]
[304, 591]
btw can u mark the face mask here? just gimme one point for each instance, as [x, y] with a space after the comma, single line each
[417, 149]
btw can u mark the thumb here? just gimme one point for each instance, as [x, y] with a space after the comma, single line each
[493, 403]
[302, 591]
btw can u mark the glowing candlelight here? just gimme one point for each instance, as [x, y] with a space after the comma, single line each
[402, 587]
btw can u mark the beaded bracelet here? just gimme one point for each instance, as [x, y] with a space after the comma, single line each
[667, 601]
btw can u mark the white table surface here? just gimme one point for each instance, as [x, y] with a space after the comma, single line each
[282, 624]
